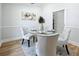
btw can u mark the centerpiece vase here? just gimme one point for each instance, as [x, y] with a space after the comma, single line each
[42, 28]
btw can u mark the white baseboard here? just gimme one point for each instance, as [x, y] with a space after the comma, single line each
[74, 43]
[11, 39]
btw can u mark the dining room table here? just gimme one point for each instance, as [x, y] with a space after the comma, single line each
[46, 42]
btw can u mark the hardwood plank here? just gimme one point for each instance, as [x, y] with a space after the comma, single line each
[12, 48]
[74, 50]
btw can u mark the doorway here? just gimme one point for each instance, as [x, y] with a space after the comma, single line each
[58, 21]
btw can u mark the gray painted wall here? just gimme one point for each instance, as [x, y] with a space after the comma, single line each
[12, 19]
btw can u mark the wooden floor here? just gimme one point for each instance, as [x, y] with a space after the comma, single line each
[13, 48]
[74, 50]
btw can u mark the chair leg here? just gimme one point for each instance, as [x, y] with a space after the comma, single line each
[36, 55]
[36, 39]
[67, 49]
[28, 43]
[63, 45]
[33, 39]
[22, 41]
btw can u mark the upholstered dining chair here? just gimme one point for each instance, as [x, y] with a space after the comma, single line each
[26, 35]
[64, 37]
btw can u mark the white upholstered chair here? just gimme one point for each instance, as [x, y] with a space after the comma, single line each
[26, 35]
[64, 37]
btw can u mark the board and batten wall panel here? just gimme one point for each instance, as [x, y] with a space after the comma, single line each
[72, 20]
[72, 15]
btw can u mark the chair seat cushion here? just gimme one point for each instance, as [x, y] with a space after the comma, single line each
[61, 41]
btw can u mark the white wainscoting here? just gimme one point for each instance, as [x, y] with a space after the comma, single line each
[10, 33]
[74, 36]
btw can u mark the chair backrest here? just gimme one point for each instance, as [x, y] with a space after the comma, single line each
[24, 30]
[65, 34]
